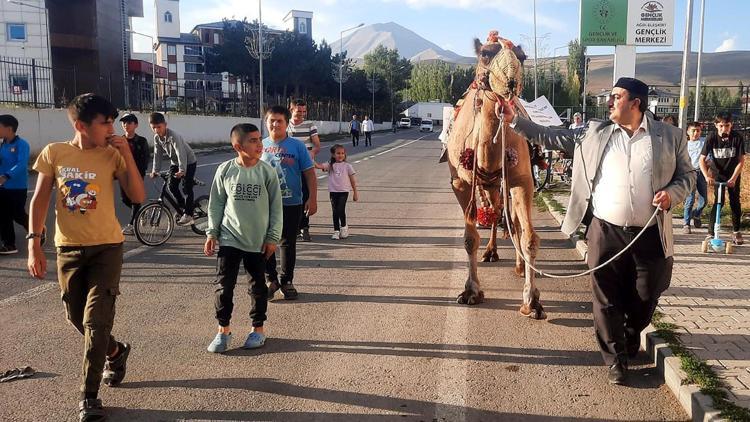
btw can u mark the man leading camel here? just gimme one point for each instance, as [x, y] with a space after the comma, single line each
[623, 168]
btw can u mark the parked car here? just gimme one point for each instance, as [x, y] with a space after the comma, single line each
[426, 126]
[404, 123]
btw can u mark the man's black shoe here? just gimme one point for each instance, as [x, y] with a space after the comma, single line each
[618, 374]
[90, 410]
[114, 369]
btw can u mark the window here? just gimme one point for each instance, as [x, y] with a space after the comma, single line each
[302, 26]
[173, 68]
[194, 67]
[191, 50]
[19, 83]
[171, 50]
[168, 16]
[216, 38]
[16, 32]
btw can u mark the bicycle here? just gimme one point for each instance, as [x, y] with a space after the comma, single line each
[155, 222]
[556, 165]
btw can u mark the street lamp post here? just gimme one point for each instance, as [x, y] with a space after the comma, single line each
[153, 66]
[536, 59]
[341, 72]
[697, 115]
[554, 66]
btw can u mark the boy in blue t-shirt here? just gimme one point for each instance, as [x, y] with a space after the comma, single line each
[289, 157]
[14, 183]
[695, 147]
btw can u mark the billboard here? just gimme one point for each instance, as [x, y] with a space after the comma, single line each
[627, 22]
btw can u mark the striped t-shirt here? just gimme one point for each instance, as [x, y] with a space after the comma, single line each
[304, 132]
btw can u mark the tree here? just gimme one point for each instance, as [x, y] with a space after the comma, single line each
[388, 65]
[576, 68]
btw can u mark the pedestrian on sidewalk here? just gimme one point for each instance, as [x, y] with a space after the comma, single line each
[291, 161]
[341, 181]
[727, 157]
[139, 148]
[624, 168]
[88, 236]
[354, 127]
[368, 128]
[182, 165]
[307, 132]
[14, 183]
[244, 221]
[695, 147]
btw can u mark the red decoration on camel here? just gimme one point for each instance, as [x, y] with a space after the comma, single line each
[467, 159]
[486, 216]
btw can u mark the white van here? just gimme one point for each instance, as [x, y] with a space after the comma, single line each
[404, 123]
[426, 125]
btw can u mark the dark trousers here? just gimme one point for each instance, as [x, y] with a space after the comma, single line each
[89, 278]
[368, 138]
[734, 203]
[338, 205]
[227, 268]
[305, 220]
[287, 249]
[12, 209]
[355, 137]
[134, 208]
[187, 181]
[627, 290]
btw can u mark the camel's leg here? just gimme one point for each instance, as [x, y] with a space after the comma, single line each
[529, 246]
[472, 294]
[490, 253]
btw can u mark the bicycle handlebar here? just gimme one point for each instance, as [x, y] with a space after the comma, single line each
[165, 175]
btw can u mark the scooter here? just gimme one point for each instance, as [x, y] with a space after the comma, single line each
[716, 244]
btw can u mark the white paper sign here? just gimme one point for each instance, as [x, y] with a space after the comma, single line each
[650, 22]
[541, 112]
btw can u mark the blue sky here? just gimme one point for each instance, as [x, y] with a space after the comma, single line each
[452, 24]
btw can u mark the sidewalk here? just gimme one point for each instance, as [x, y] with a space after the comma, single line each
[709, 298]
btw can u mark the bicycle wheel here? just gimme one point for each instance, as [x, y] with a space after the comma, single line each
[200, 215]
[542, 176]
[154, 224]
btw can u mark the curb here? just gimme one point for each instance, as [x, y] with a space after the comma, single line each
[696, 404]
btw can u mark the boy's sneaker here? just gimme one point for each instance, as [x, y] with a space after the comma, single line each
[306, 235]
[686, 229]
[697, 222]
[128, 230]
[185, 220]
[254, 341]
[737, 238]
[336, 235]
[344, 232]
[289, 292]
[8, 250]
[273, 287]
[91, 410]
[220, 343]
[114, 369]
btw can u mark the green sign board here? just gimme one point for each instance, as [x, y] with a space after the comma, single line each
[604, 22]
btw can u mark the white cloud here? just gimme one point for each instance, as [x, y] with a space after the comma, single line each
[728, 44]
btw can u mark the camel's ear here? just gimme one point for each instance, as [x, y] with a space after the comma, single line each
[477, 46]
[519, 53]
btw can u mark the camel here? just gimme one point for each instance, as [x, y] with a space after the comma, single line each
[474, 157]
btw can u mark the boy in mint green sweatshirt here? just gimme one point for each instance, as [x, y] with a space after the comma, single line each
[244, 221]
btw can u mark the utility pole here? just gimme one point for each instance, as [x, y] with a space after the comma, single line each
[536, 59]
[684, 89]
[697, 114]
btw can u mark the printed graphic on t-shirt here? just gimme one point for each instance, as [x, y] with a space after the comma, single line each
[279, 157]
[246, 191]
[724, 152]
[78, 194]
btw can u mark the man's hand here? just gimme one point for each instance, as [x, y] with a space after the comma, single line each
[37, 262]
[356, 196]
[268, 249]
[179, 175]
[731, 182]
[311, 207]
[153, 175]
[121, 143]
[506, 110]
[209, 248]
[662, 200]
[3, 179]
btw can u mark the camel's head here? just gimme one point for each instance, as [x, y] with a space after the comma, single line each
[500, 66]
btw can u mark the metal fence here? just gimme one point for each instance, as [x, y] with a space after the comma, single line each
[26, 82]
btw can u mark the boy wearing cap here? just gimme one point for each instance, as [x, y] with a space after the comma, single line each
[627, 166]
[139, 148]
[14, 160]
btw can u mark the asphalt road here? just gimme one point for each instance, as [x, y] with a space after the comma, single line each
[375, 336]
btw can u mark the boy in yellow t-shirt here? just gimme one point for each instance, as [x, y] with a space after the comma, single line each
[88, 235]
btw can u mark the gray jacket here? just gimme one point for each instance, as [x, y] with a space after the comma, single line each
[179, 152]
[672, 172]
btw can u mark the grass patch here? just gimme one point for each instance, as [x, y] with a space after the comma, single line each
[699, 372]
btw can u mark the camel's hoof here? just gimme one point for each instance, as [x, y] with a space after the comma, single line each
[468, 297]
[490, 256]
[533, 311]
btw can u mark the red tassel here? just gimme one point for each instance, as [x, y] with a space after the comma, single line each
[486, 216]
[467, 159]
